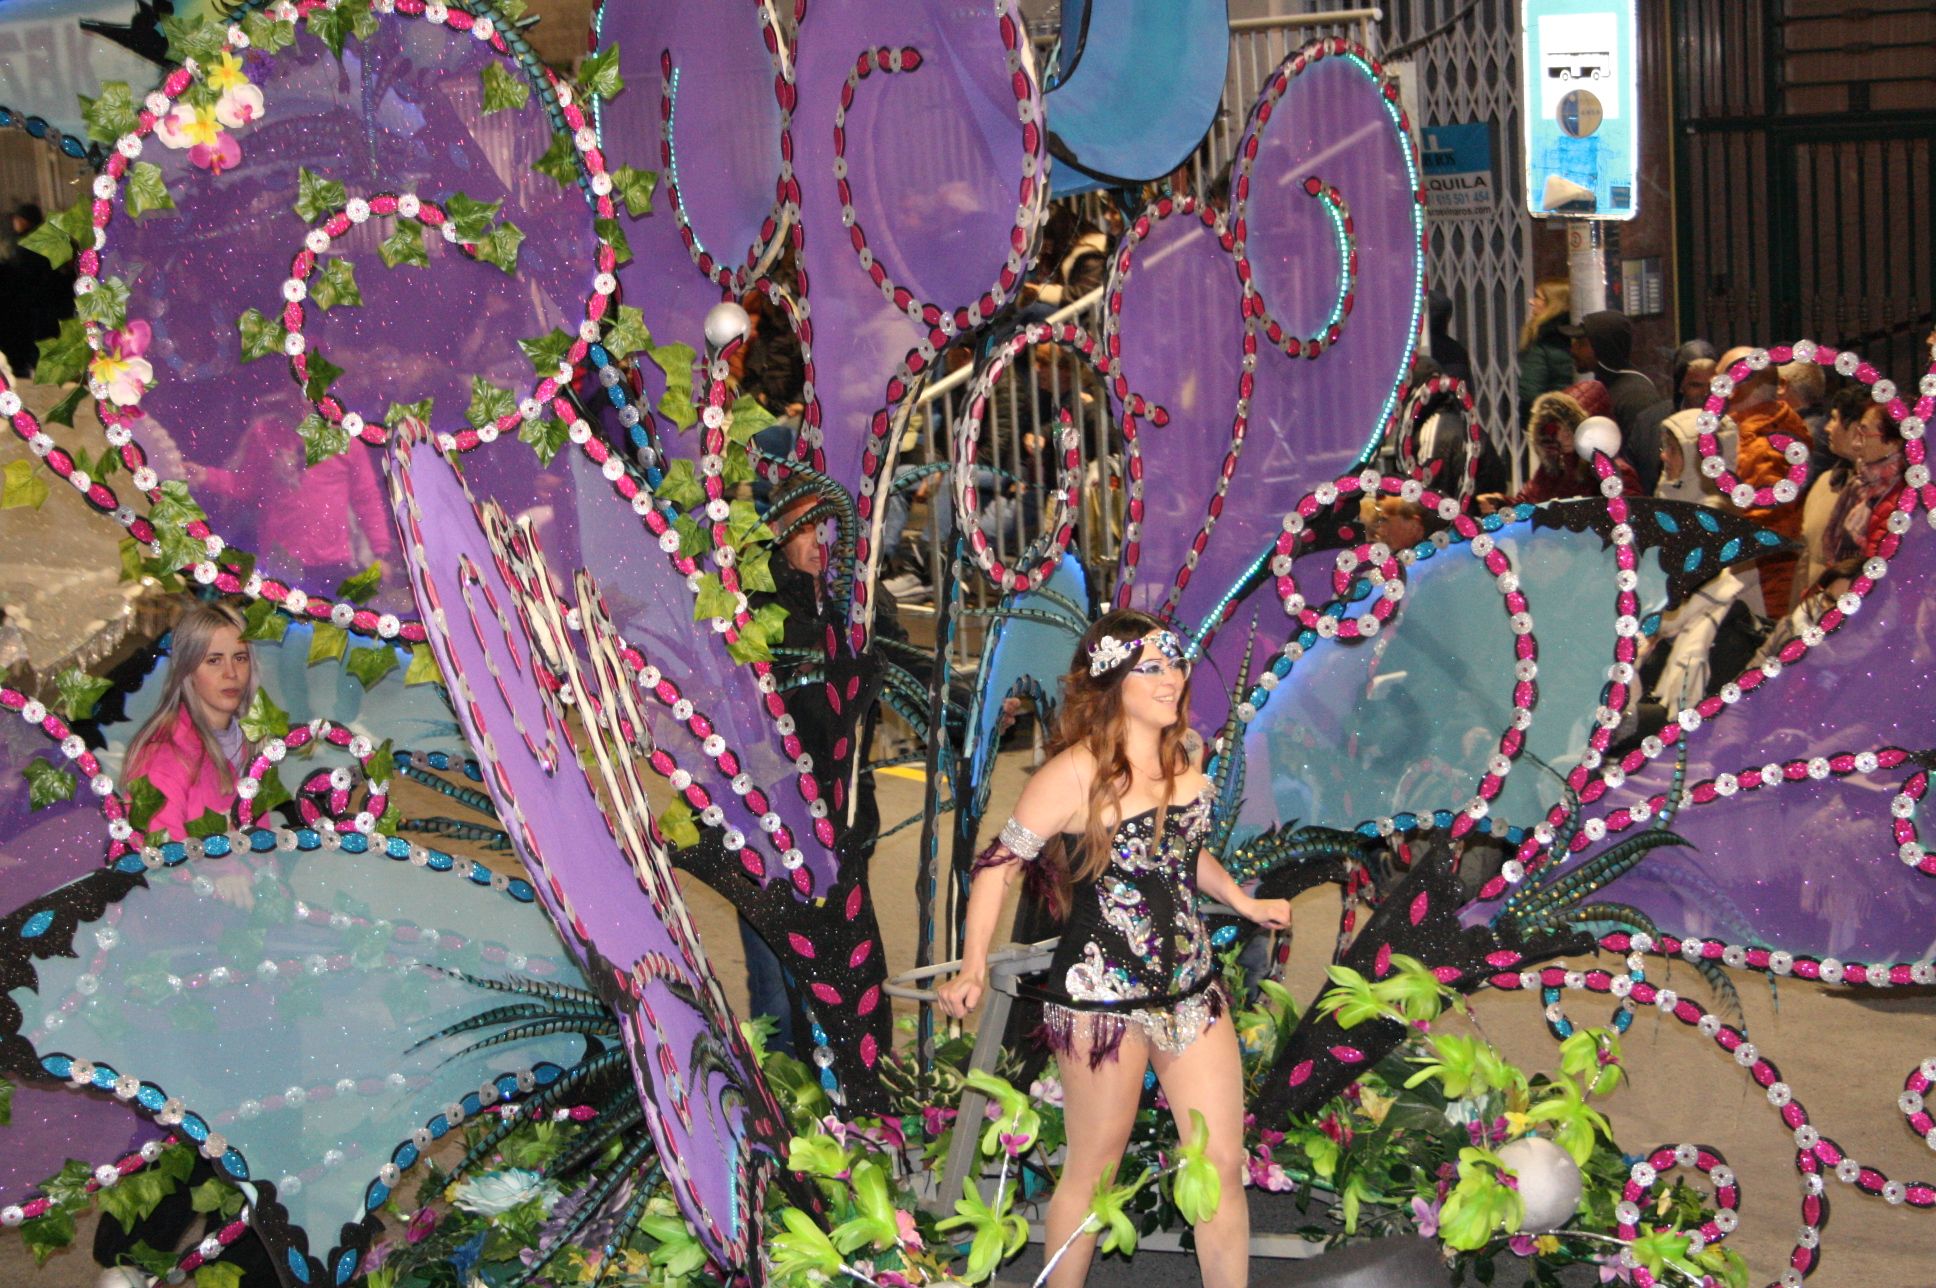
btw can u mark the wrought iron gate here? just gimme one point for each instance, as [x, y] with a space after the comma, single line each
[1805, 132]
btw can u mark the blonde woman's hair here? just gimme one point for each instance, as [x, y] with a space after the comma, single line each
[1558, 407]
[1559, 298]
[189, 640]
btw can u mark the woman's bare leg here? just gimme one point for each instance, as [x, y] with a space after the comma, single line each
[1208, 1077]
[1098, 1109]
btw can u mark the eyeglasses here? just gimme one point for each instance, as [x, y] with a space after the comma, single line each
[1156, 667]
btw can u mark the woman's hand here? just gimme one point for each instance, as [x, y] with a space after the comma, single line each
[962, 994]
[1273, 913]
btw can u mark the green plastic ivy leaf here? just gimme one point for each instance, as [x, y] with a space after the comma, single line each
[680, 487]
[145, 190]
[548, 351]
[336, 284]
[197, 38]
[64, 356]
[382, 765]
[405, 246]
[1351, 1001]
[264, 719]
[756, 571]
[560, 161]
[144, 801]
[499, 247]
[218, 1274]
[803, 1249]
[270, 793]
[216, 1196]
[321, 438]
[634, 188]
[106, 305]
[261, 336]
[680, 825]
[317, 196]
[418, 411]
[337, 23]
[6, 1102]
[997, 1232]
[79, 691]
[212, 822]
[112, 114]
[47, 784]
[629, 334]
[47, 1234]
[609, 232]
[675, 404]
[51, 242]
[503, 89]
[545, 435]
[267, 35]
[599, 73]
[423, 667]
[713, 600]
[1017, 1120]
[21, 487]
[748, 419]
[489, 404]
[322, 374]
[1197, 1187]
[751, 646]
[134, 1197]
[370, 665]
[469, 216]
[358, 588]
[327, 642]
[262, 620]
[62, 412]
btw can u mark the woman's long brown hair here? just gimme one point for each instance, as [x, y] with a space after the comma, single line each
[1092, 717]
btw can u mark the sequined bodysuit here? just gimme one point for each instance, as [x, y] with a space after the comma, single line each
[1135, 949]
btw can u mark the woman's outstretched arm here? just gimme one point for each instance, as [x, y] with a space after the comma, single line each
[1042, 812]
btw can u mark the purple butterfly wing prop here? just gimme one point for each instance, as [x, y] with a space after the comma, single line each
[1326, 174]
[40, 851]
[616, 904]
[370, 194]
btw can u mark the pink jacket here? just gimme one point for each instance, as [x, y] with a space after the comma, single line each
[190, 783]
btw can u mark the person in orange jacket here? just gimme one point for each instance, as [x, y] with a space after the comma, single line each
[1766, 425]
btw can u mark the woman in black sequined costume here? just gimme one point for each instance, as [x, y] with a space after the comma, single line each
[1112, 828]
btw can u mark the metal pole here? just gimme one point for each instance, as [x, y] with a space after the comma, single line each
[924, 882]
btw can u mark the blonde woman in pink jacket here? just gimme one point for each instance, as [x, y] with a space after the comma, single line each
[192, 748]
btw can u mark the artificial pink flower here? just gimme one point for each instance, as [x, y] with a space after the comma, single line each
[909, 1232]
[120, 367]
[223, 154]
[1267, 1174]
[421, 1225]
[1426, 1217]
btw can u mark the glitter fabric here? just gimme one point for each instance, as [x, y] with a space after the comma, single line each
[1134, 936]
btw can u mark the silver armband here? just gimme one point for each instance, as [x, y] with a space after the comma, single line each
[1021, 842]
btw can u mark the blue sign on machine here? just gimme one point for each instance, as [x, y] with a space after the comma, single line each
[1581, 108]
